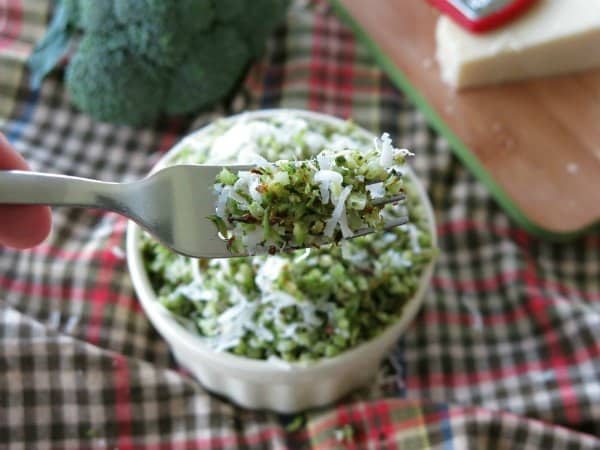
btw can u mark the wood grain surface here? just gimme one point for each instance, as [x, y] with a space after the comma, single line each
[538, 140]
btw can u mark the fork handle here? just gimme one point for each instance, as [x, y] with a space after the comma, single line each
[35, 188]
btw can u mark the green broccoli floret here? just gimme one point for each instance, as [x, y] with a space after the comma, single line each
[137, 59]
[112, 84]
[202, 79]
[227, 10]
[163, 40]
[266, 12]
[200, 15]
[96, 15]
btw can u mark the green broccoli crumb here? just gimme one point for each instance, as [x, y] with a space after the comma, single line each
[296, 424]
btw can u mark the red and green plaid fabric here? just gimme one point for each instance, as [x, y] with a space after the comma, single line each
[22, 24]
[505, 353]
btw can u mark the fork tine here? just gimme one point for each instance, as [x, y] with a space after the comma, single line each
[384, 201]
[364, 231]
[240, 167]
[388, 226]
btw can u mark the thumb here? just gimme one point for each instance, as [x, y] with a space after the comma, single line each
[20, 226]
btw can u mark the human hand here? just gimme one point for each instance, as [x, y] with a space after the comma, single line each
[20, 226]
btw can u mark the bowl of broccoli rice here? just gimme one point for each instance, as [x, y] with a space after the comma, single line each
[292, 330]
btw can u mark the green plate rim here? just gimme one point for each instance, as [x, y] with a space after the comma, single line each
[459, 149]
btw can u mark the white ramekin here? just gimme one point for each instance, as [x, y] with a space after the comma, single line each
[259, 384]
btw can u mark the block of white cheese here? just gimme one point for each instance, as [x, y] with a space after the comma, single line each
[554, 37]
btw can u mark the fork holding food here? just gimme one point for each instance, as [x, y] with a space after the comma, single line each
[261, 208]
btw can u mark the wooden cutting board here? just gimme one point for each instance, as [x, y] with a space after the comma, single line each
[535, 144]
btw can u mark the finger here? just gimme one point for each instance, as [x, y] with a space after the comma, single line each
[9, 159]
[20, 226]
[24, 226]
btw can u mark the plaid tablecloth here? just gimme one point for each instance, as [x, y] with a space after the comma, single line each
[505, 353]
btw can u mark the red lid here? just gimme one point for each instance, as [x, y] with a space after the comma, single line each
[482, 15]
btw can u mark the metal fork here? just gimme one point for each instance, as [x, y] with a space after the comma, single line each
[172, 204]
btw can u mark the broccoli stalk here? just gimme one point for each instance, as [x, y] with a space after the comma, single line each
[138, 59]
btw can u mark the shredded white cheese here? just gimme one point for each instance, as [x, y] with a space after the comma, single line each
[338, 212]
[376, 190]
[328, 180]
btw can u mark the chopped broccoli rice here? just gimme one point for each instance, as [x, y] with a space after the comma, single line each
[296, 204]
[303, 305]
